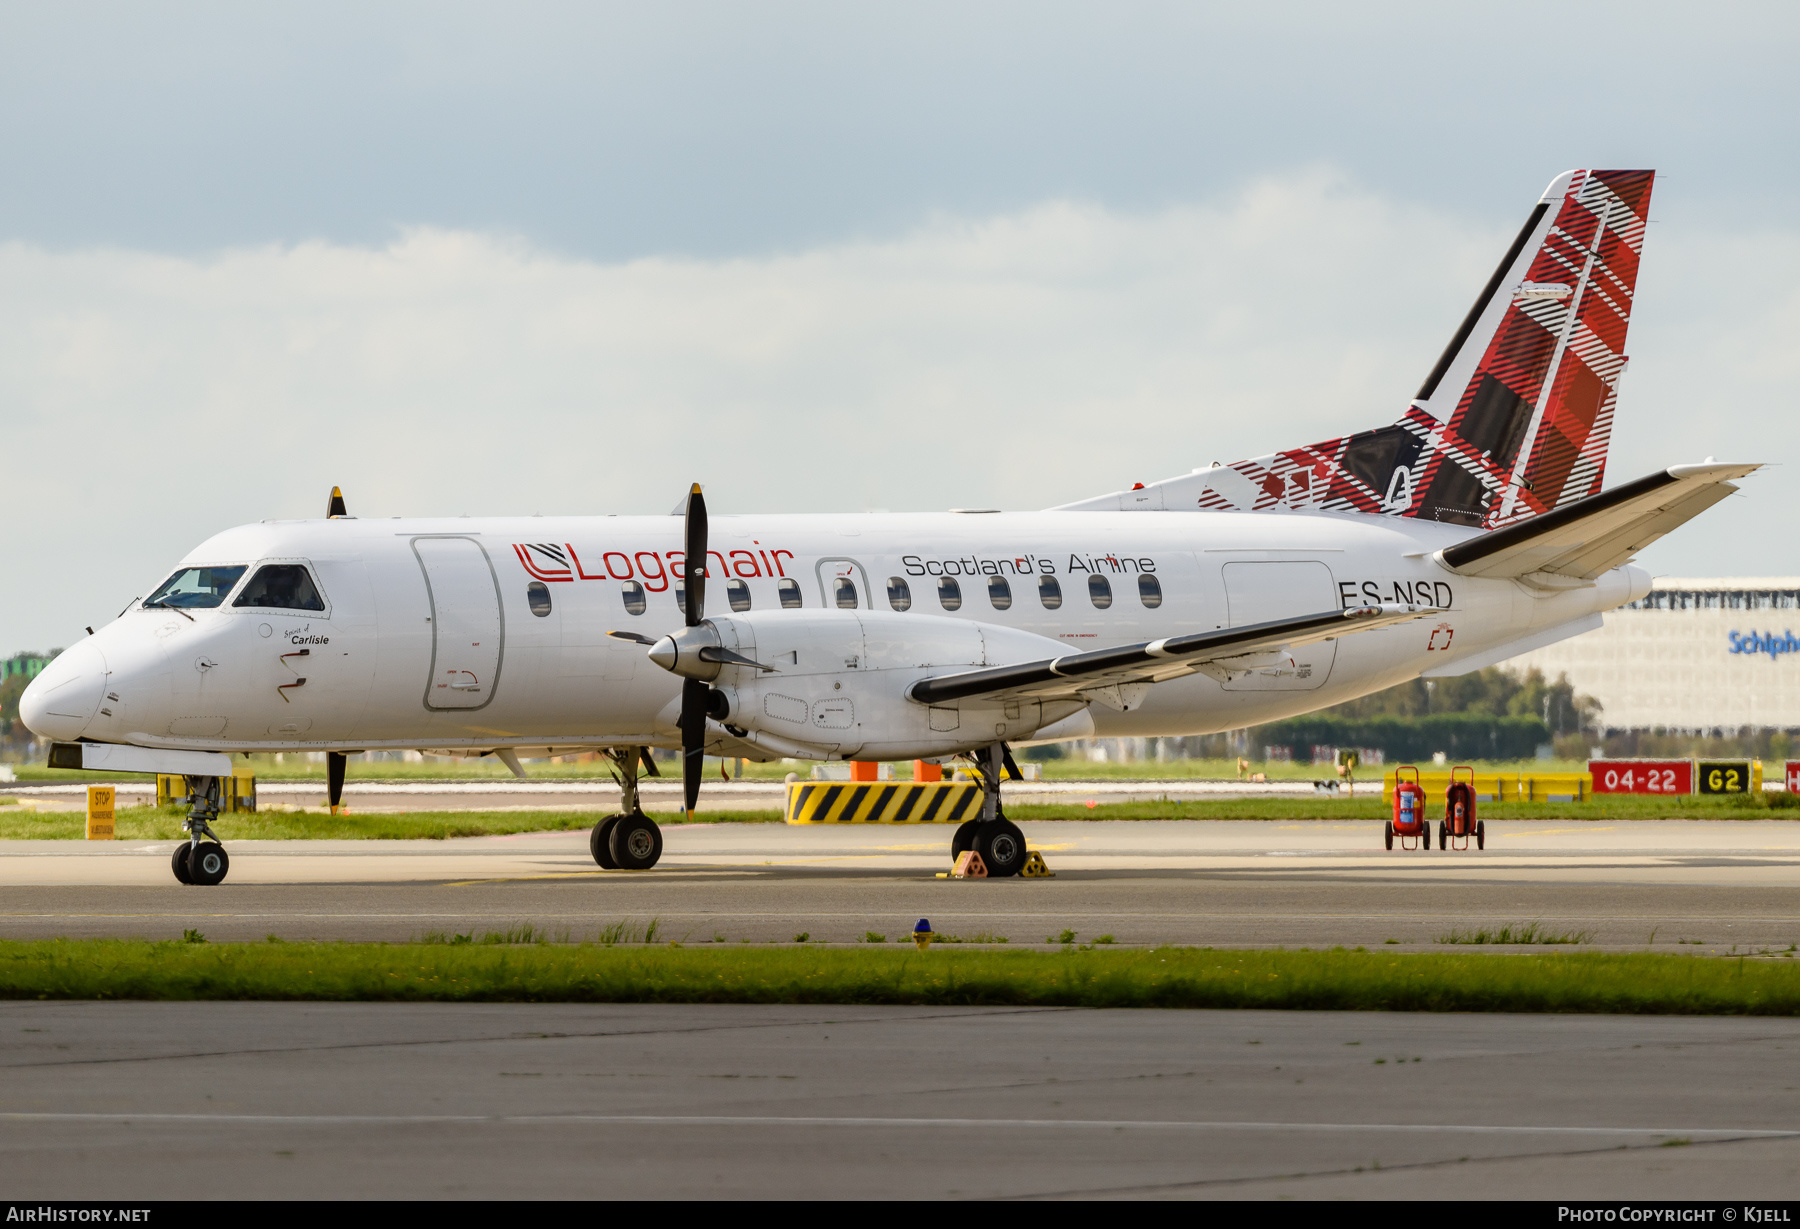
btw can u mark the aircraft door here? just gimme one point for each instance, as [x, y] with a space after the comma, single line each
[843, 585]
[1259, 592]
[467, 627]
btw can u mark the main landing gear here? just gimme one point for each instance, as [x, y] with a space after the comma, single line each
[201, 860]
[996, 838]
[630, 840]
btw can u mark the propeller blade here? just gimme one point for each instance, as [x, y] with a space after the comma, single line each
[694, 557]
[334, 506]
[693, 740]
[727, 657]
[632, 636]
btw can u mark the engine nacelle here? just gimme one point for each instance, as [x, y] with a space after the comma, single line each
[838, 688]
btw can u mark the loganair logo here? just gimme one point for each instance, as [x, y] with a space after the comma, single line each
[551, 561]
[1764, 642]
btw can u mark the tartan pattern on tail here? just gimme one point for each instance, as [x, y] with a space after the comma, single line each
[1531, 427]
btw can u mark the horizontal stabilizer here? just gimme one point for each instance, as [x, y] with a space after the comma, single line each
[1157, 661]
[1579, 541]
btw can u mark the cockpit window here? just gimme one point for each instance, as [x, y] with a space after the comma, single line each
[281, 586]
[196, 587]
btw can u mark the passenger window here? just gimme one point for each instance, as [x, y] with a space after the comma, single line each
[634, 597]
[949, 593]
[790, 594]
[843, 592]
[999, 593]
[1100, 592]
[899, 593]
[1050, 592]
[195, 588]
[281, 586]
[1149, 590]
[537, 593]
[738, 594]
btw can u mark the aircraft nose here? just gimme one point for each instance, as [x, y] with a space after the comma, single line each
[61, 700]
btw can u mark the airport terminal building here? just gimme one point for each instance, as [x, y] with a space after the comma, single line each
[1719, 655]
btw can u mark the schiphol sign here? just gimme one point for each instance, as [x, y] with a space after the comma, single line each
[1764, 642]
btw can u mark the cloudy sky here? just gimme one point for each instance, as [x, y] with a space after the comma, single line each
[568, 258]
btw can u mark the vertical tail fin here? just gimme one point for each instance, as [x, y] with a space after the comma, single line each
[1534, 371]
[1516, 416]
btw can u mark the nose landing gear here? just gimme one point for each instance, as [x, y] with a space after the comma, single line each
[202, 860]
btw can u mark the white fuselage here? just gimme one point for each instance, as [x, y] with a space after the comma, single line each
[433, 637]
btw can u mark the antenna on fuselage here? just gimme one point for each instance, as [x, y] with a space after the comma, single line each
[334, 507]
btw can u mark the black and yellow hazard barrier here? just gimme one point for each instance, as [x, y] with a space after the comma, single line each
[876, 802]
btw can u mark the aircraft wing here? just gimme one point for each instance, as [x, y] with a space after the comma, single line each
[1118, 677]
[1580, 540]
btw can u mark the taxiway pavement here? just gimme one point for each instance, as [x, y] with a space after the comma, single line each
[1688, 886]
[522, 1101]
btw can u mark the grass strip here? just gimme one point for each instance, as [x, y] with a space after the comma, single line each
[1369, 807]
[151, 823]
[1516, 933]
[1335, 980]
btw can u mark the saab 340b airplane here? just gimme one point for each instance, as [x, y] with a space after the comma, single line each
[1471, 530]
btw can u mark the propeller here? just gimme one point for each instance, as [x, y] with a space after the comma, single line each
[694, 653]
[693, 690]
[334, 506]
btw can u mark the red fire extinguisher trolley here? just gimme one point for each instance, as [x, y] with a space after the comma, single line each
[1459, 813]
[1409, 811]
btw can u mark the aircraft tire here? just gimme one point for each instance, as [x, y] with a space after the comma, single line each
[635, 842]
[1002, 847]
[208, 864]
[964, 840]
[178, 863]
[600, 842]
